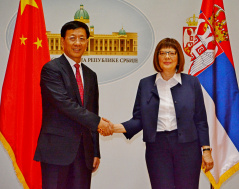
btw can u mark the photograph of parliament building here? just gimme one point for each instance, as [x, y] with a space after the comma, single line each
[118, 43]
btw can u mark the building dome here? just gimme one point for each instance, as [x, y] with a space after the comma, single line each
[122, 32]
[82, 15]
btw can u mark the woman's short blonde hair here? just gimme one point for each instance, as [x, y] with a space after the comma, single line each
[166, 43]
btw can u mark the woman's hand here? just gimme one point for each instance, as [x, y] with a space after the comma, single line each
[119, 128]
[207, 161]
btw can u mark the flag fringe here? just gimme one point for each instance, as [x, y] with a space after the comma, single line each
[223, 177]
[12, 156]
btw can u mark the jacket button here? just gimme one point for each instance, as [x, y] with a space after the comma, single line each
[175, 102]
[179, 134]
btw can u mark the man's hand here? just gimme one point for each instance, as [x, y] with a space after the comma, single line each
[105, 127]
[96, 164]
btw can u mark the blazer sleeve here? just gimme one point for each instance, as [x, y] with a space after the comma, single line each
[134, 125]
[200, 116]
[53, 88]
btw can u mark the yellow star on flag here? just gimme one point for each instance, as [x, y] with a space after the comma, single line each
[23, 39]
[38, 43]
[27, 2]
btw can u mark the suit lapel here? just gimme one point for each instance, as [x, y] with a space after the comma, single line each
[86, 83]
[69, 72]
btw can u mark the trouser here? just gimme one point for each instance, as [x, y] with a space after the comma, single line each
[73, 176]
[173, 165]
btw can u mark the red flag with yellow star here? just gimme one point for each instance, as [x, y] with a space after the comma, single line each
[20, 109]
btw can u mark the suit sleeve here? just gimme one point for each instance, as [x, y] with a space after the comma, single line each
[95, 134]
[200, 116]
[53, 88]
[133, 126]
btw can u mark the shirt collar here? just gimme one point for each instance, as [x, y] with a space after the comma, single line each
[72, 62]
[176, 77]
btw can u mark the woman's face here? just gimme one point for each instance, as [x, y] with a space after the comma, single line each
[168, 59]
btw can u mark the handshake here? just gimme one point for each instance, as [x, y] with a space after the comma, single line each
[106, 128]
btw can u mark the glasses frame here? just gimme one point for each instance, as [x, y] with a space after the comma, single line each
[169, 53]
[73, 39]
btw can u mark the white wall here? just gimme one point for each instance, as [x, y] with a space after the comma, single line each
[122, 164]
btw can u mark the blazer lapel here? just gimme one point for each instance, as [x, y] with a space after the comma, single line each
[69, 72]
[154, 90]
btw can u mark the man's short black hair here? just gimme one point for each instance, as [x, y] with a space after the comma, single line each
[74, 25]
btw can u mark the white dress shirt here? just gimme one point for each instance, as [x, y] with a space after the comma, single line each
[166, 116]
[72, 63]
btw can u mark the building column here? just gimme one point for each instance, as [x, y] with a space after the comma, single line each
[59, 46]
[103, 44]
[113, 45]
[119, 45]
[125, 46]
[54, 44]
[89, 45]
[49, 44]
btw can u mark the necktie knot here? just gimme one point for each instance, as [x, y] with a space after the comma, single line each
[77, 66]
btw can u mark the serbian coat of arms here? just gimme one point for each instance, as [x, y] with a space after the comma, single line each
[189, 33]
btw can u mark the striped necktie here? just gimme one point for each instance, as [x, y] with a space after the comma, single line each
[79, 82]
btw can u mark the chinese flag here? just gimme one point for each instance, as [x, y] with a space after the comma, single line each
[20, 109]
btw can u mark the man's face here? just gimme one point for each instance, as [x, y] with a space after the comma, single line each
[75, 43]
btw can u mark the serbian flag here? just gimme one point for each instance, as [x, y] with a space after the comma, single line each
[212, 63]
[20, 109]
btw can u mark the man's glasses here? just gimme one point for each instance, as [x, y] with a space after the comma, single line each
[74, 39]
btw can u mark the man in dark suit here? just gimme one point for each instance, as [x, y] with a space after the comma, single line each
[68, 144]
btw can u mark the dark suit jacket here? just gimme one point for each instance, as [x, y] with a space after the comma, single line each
[189, 107]
[64, 120]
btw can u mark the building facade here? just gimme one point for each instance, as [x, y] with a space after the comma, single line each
[120, 43]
